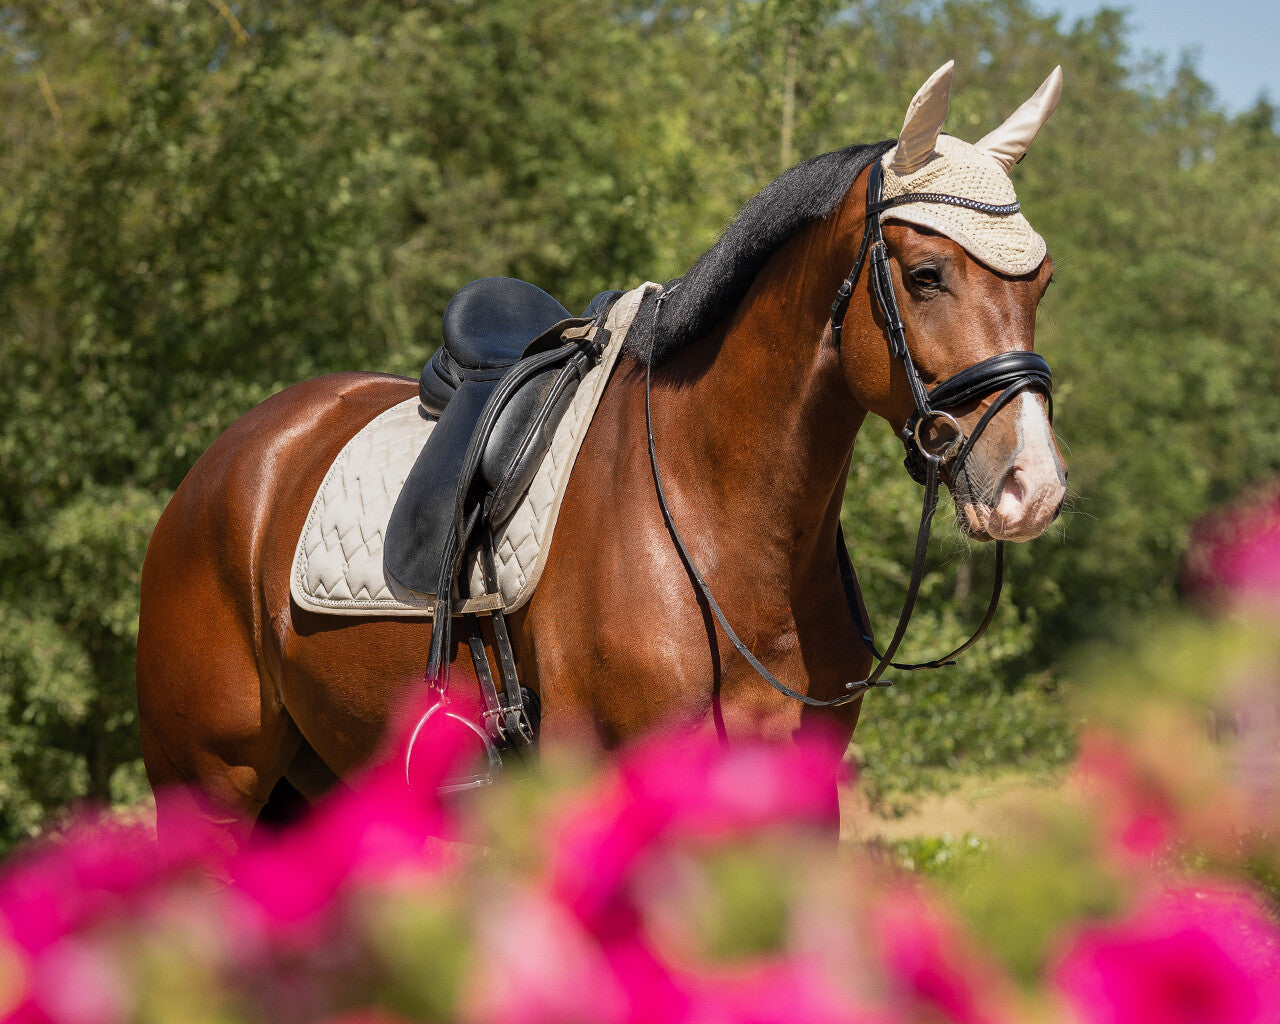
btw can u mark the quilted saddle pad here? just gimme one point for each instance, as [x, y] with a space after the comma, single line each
[337, 566]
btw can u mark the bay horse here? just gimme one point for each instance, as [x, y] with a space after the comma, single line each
[757, 394]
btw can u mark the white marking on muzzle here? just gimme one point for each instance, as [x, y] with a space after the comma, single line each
[1032, 492]
[1034, 488]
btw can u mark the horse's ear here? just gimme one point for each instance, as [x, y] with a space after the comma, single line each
[1008, 142]
[925, 118]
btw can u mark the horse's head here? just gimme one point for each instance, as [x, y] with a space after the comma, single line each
[967, 274]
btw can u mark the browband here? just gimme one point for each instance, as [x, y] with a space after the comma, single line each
[949, 200]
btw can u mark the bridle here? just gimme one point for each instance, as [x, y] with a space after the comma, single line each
[1006, 375]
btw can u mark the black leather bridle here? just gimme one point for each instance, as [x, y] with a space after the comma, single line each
[1006, 375]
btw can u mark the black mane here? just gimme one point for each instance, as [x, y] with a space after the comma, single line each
[716, 283]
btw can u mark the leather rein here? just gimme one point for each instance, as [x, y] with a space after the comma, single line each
[1009, 374]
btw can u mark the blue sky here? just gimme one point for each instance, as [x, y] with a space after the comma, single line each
[1238, 40]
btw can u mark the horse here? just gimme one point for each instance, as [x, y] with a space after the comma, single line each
[754, 390]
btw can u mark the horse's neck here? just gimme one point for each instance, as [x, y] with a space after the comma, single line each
[756, 423]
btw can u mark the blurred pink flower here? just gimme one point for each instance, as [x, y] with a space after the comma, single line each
[1234, 555]
[701, 786]
[1191, 955]
[374, 829]
[656, 992]
[1139, 818]
[686, 785]
[669, 788]
[97, 868]
[538, 965]
[784, 991]
[77, 982]
[594, 853]
[930, 967]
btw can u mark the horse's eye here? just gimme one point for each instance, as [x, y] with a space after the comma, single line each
[927, 277]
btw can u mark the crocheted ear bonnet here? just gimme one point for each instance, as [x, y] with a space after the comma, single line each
[924, 160]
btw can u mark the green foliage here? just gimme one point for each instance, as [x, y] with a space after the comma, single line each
[940, 857]
[66, 693]
[44, 700]
[205, 203]
[1021, 896]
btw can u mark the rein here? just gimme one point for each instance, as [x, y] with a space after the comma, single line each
[1009, 373]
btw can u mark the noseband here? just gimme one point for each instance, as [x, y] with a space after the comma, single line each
[1006, 375]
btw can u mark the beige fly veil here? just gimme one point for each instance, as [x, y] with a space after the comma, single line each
[928, 162]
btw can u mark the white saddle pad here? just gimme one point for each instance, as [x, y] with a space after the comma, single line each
[337, 567]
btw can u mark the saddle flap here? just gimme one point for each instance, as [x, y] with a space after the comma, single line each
[523, 431]
[420, 539]
[505, 425]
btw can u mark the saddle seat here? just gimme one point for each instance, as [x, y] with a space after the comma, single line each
[487, 326]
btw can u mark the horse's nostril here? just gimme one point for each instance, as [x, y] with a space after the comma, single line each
[1014, 491]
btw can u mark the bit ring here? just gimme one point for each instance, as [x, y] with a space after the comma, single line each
[952, 447]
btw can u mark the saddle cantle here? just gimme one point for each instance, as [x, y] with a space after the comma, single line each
[487, 326]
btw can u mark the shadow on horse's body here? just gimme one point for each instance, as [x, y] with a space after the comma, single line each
[755, 421]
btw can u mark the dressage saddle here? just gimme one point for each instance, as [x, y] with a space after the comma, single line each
[511, 361]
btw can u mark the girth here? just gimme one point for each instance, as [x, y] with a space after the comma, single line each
[1006, 375]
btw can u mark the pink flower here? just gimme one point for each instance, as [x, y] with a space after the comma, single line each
[594, 855]
[655, 993]
[683, 785]
[375, 829]
[1202, 955]
[929, 966]
[96, 869]
[1235, 555]
[782, 992]
[671, 788]
[538, 965]
[703, 787]
[77, 982]
[1138, 813]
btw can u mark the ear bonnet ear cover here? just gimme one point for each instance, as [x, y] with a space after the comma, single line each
[927, 161]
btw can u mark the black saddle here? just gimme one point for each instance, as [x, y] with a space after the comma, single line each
[488, 327]
[512, 359]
